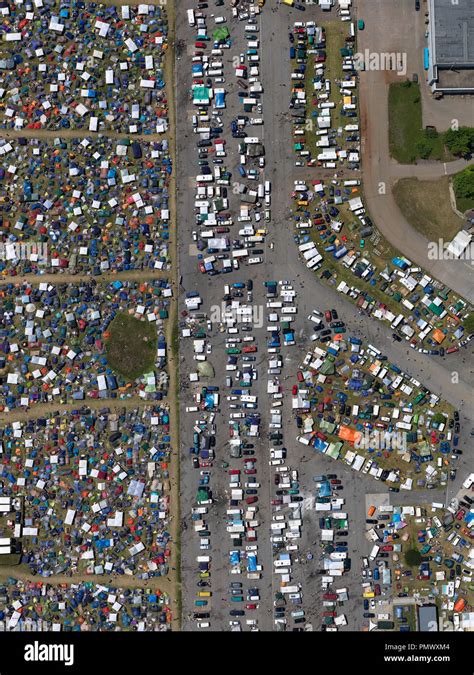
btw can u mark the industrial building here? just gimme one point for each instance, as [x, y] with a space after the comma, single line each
[428, 618]
[449, 55]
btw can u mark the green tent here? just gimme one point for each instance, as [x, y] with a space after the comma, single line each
[205, 369]
[221, 34]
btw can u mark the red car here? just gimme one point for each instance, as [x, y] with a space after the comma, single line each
[276, 502]
[251, 500]
[335, 482]
[329, 614]
[200, 45]
[234, 472]
[294, 390]
[250, 472]
[327, 315]
[300, 377]
[387, 547]
[249, 349]
[460, 514]
[377, 589]
[250, 459]
[330, 596]
[251, 606]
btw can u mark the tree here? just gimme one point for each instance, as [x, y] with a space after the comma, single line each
[438, 418]
[413, 557]
[460, 141]
[463, 183]
[468, 324]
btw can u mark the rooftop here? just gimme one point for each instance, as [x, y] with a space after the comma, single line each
[427, 614]
[453, 27]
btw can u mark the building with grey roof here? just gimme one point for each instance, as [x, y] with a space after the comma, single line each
[451, 46]
[428, 618]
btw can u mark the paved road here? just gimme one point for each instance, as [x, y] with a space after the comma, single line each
[212, 291]
[282, 263]
[385, 31]
[427, 170]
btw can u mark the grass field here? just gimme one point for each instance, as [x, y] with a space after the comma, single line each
[408, 141]
[131, 347]
[426, 205]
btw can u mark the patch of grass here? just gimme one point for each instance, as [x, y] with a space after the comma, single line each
[468, 324]
[408, 141]
[11, 559]
[131, 346]
[426, 205]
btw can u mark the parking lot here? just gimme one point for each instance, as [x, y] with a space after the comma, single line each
[279, 262]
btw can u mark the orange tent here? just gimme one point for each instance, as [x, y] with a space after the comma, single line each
[438, 335]
[347, 434]
[459, 605]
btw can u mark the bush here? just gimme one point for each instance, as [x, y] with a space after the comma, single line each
[431, 133]
[463, 183]
[460, 141]
[423, 149]
[413, 557]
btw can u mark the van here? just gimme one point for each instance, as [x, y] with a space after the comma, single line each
[297, 614]
[374, 552]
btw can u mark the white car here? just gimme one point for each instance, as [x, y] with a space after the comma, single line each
[254, 261]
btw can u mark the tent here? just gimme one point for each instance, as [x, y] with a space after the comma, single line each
[205, 369]
[347, 434]
[221, 34]
[438, 335]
